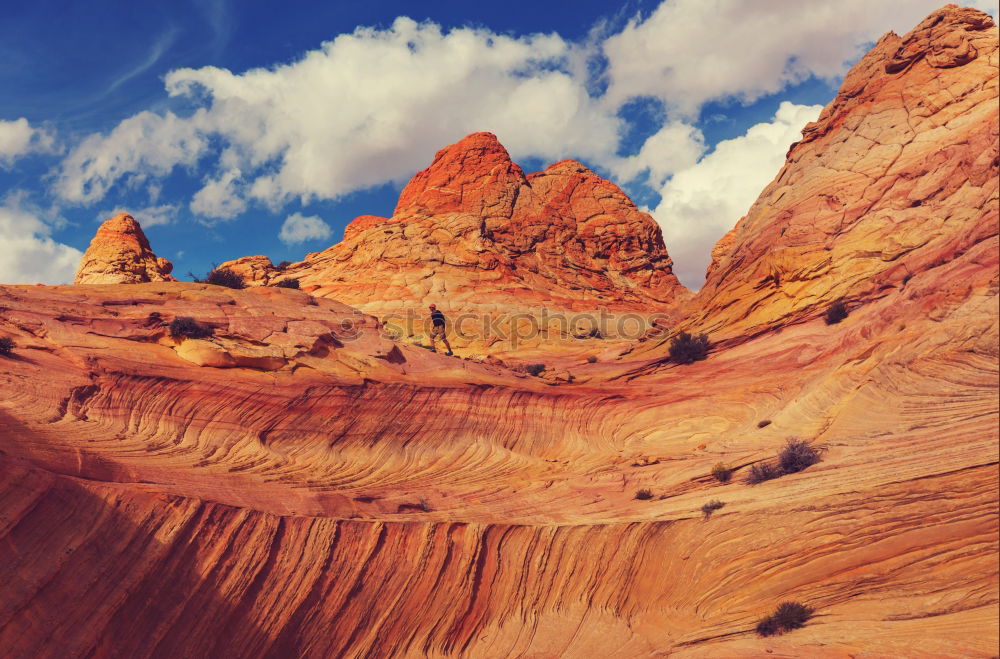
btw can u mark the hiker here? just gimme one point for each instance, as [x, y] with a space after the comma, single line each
[437, 329]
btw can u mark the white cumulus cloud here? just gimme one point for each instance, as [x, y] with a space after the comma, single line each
[144, 146]
[18, 138]
[299, 228]
[674, 147]
[28, 255]
[366, 108]
[688, 52]
[701, 203]
[220, 198]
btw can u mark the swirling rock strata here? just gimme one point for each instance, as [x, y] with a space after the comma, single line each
[299, 484]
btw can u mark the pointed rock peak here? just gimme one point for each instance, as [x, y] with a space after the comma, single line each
[475, 175]
[120, 254]
[941, 39]
[569, 166]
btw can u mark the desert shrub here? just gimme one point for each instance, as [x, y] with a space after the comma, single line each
[762, 471]
[796, 455]
[224, 277]
[788, 616]
[288, 283]
[7, 346]
[722, 472]
[836, 313]
[591, 359]
[283, 265]
[711, 507]
[533, 369]
[189, 328]
[688, 348]
[767, 626]
[764, 424]
[644, 494]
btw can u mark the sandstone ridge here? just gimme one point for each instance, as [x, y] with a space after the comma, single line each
[897, 178]
[298, 482]
[473, 234]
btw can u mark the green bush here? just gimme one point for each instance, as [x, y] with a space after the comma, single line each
[288, 283]
[836, 313]
[688, 348]
[7, 346]
[788, 616]
[224, 277]
[188, 328]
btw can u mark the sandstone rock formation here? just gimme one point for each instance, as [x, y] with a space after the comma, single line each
[897, 178]
[299, 484]
[120, 254]
[474, 235]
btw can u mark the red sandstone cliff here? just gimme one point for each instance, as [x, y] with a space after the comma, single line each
[297, 484]
[473, 234]
[896, 181]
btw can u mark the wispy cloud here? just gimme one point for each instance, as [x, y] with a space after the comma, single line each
[160, 46]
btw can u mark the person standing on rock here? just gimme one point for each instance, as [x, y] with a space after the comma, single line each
[437, 329]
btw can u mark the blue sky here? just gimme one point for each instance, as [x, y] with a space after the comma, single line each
[236, 128]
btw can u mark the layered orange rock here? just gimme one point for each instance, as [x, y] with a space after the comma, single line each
[299, 484]
[474, 235]
[120, 254]
[897, 178]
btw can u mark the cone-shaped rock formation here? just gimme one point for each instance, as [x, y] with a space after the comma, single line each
[120, 254]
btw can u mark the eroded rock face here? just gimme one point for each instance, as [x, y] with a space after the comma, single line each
[120, 254]
[473, 234]
[897, 177]
[255, 270]
[299, 484]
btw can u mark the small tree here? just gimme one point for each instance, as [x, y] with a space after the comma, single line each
[224, 277]
[7, 346]
[188, 328]
[836, 313]
[688, 348]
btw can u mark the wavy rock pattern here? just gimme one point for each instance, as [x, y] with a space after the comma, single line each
[310, 511]
[299, 484]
